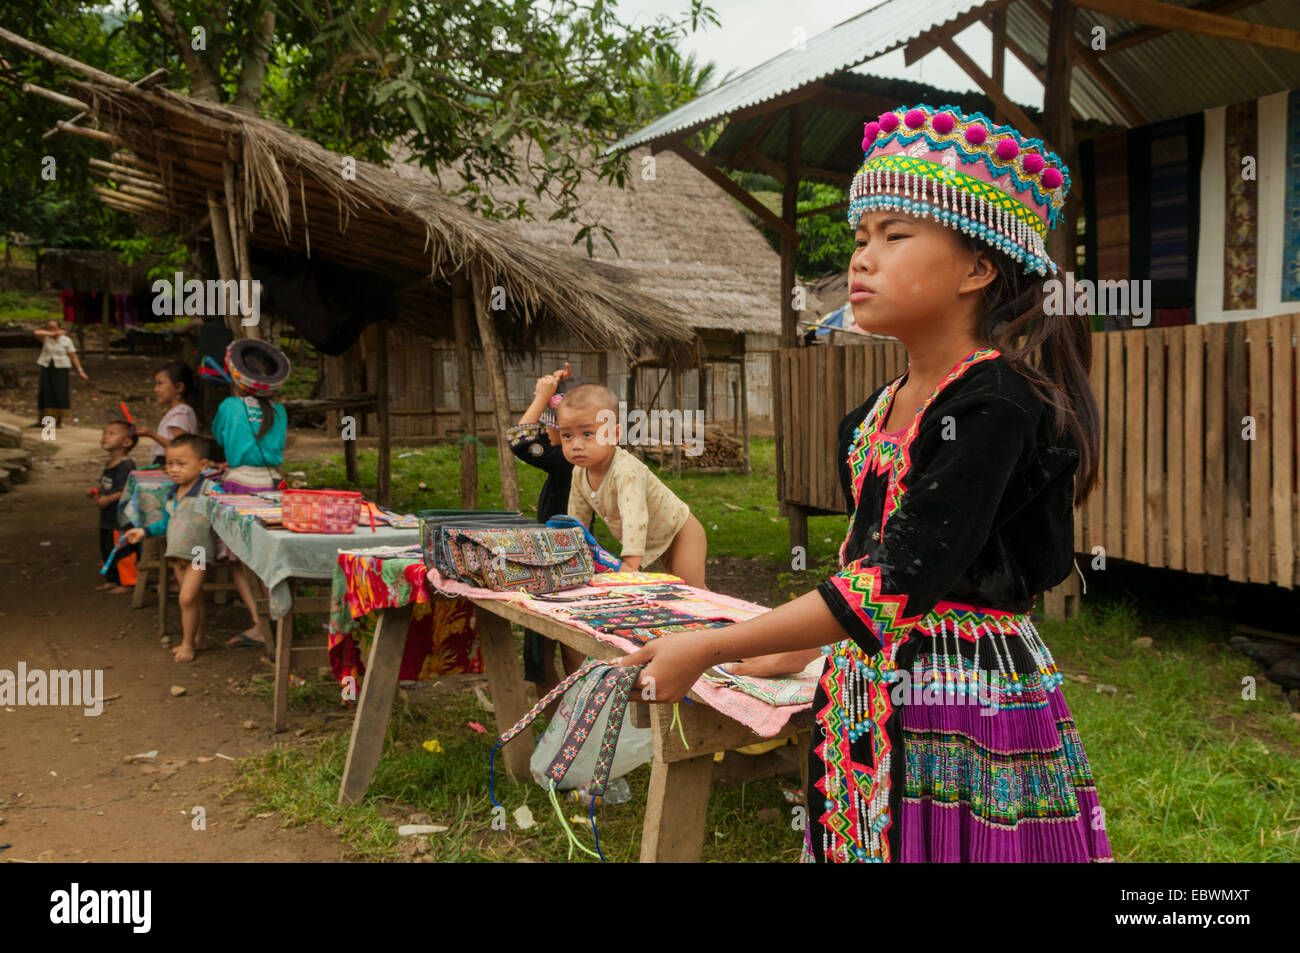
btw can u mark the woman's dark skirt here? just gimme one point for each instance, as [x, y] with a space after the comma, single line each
[54, 391]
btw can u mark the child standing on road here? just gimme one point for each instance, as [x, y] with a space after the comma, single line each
[118, 440]
[190, 540]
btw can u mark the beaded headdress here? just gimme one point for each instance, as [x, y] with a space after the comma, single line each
[965, 172]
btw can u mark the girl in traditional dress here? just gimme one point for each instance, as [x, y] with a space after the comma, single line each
[251, 429]
[940, 732]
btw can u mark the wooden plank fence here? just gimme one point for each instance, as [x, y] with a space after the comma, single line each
[1200, 454]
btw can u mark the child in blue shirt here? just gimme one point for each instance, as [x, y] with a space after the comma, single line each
[190, 540]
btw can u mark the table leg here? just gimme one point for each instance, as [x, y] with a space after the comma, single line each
[143, 564]
[162, 587]
[375, 705]
[676, 810]
[283, 651]
[506, 682]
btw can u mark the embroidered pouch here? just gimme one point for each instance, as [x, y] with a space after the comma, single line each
[515, 559]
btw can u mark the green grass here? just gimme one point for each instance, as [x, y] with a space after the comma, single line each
[301, 784]
[29, 306]
[1186, 769]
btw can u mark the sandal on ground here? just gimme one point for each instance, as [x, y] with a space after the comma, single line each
[241, 641]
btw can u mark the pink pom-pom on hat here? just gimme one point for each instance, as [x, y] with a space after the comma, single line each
[913, 150]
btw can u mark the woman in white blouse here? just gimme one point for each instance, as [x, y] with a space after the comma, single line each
[58, 355]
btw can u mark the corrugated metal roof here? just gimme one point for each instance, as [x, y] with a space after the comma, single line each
[884, 27]
[1174, 74]
[1169, 76]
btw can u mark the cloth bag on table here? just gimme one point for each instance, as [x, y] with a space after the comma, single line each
[635, 746]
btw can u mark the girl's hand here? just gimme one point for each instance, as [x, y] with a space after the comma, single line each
[769, 666]
[142, 434]
[672, 665]
[561, 375]
[133, 536]
[544, 390]
[82, 374]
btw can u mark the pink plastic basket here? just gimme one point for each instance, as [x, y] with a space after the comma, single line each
[320, 511]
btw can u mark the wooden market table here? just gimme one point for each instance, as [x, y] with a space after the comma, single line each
[680, 777]
[282, 560]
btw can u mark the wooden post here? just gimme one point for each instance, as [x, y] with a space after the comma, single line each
[224, 250]
[349, 375]
[678, 400]
[232, 221]
[790, 245]
[461, 305]
[383, 468]
[999, 56]
[1059, 125]
[632, 373]
[506, 682]
[744, 413]
[798, 518]
[103, 326]
[375, 704]
[496, 371]
[283, 630]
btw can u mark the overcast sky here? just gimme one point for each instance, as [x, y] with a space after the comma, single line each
[754, 31]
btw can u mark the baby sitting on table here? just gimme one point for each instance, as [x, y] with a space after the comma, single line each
[643, 514]
[190, 539]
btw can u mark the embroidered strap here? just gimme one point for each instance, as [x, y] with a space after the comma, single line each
[613, 686]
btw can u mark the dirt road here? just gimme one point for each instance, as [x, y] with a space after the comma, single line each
[66, 791]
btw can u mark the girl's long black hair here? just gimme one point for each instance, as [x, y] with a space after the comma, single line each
[261, 364]
[1051, 351]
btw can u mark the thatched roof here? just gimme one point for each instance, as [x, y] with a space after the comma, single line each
[686, 241]
[297, 198]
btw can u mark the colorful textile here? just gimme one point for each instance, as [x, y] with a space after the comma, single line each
[796, 689]
[1241, 208]
[763, 719]
[443, 634]
[986, 180]
[514, 558]
[633, 578]
[943, 683]
[1175, 184]
[276, 556]
[1291, 223]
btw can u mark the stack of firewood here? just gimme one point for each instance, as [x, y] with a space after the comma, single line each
[720, 450]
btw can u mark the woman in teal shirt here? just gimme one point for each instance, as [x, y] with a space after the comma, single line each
[251, 429]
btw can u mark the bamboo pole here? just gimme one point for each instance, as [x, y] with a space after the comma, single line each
[59, 98]
[224, 251]
[462, 303]
[496, 371]
[384, 469]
